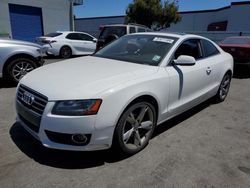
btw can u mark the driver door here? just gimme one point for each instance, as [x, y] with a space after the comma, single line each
[189, 85]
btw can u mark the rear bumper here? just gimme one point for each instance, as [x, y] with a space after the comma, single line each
[52, 50]
[238, 64]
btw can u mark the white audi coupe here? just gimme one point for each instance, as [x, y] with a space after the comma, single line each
[117, 96]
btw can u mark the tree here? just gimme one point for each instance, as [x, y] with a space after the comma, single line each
[152, 13]
[169, 15]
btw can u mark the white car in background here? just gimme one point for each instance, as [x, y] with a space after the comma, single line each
[117, 96]
[66, 44]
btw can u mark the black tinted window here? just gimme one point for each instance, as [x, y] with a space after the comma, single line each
[209, 49]
[73, 36]
[190, 48]
[141, 30]
[113, 30]
[132, 30]
[86, 37]
[53, 34]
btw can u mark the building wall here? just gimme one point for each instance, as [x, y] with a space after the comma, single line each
[237, 15]
[55, 14]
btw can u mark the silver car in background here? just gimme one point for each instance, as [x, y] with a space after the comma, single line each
[17, 58]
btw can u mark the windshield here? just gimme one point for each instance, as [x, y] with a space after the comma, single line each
[236, 41]
[141, 49]
[117, 30]
[53, 34]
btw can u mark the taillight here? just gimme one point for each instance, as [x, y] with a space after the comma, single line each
[53, 41]
[45, 41]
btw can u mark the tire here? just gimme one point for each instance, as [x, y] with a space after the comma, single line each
[65, 52]
[135, 128]
[224, 88]
[19, 67]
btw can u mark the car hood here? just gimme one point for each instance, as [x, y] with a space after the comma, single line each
[84, 77]
[19, 42]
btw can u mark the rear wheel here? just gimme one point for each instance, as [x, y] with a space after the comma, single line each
[18, 68]
[135, 128]
[224, 88]
[65, 52]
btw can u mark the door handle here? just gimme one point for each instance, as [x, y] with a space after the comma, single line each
[208, 70]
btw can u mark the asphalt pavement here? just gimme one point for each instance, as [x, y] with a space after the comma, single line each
[208, 146]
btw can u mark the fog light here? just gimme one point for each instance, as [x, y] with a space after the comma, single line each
[79, 138]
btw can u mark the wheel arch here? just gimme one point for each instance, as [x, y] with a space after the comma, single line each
[141, 98]
[65, 45]
[69, 46]
[229, 71]
[16, 56]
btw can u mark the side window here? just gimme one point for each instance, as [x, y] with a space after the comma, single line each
[131, 29]
[141, 29]
[73, 36]
[86, 37]
[209, 49]
[189, 47]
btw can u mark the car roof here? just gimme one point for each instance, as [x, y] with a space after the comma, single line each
[125, 25]
[172, 34]
[66, 32]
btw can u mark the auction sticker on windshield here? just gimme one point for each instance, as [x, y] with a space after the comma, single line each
[166, 40]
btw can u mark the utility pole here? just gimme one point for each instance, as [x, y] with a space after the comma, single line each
[71, 16]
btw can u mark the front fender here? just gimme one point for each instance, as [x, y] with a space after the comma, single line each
[117, 99]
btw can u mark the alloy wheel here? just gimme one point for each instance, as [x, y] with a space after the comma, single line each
[20, 69]
[66, 52]
[224, 87]
[138, 127]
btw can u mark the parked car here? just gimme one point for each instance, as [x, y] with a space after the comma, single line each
[17, 58]
[239, 48]
[111, 32]
[117, 96]
[66, 44]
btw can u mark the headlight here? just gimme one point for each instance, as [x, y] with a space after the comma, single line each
[77, 107]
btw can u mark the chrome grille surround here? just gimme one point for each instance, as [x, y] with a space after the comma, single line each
[30, 106]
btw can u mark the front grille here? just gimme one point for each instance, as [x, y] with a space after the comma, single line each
[38, 104]
[30, 106]
[29, 124]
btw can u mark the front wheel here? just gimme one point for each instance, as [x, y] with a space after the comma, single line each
[18, 68]
[224, 88]
[135, 128]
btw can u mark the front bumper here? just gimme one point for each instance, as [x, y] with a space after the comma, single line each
[55, 131]
[40, 61]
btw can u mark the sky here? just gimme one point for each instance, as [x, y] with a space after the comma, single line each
[99, 8]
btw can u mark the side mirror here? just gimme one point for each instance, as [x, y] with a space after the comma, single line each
[95, 40]
[185, 60]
